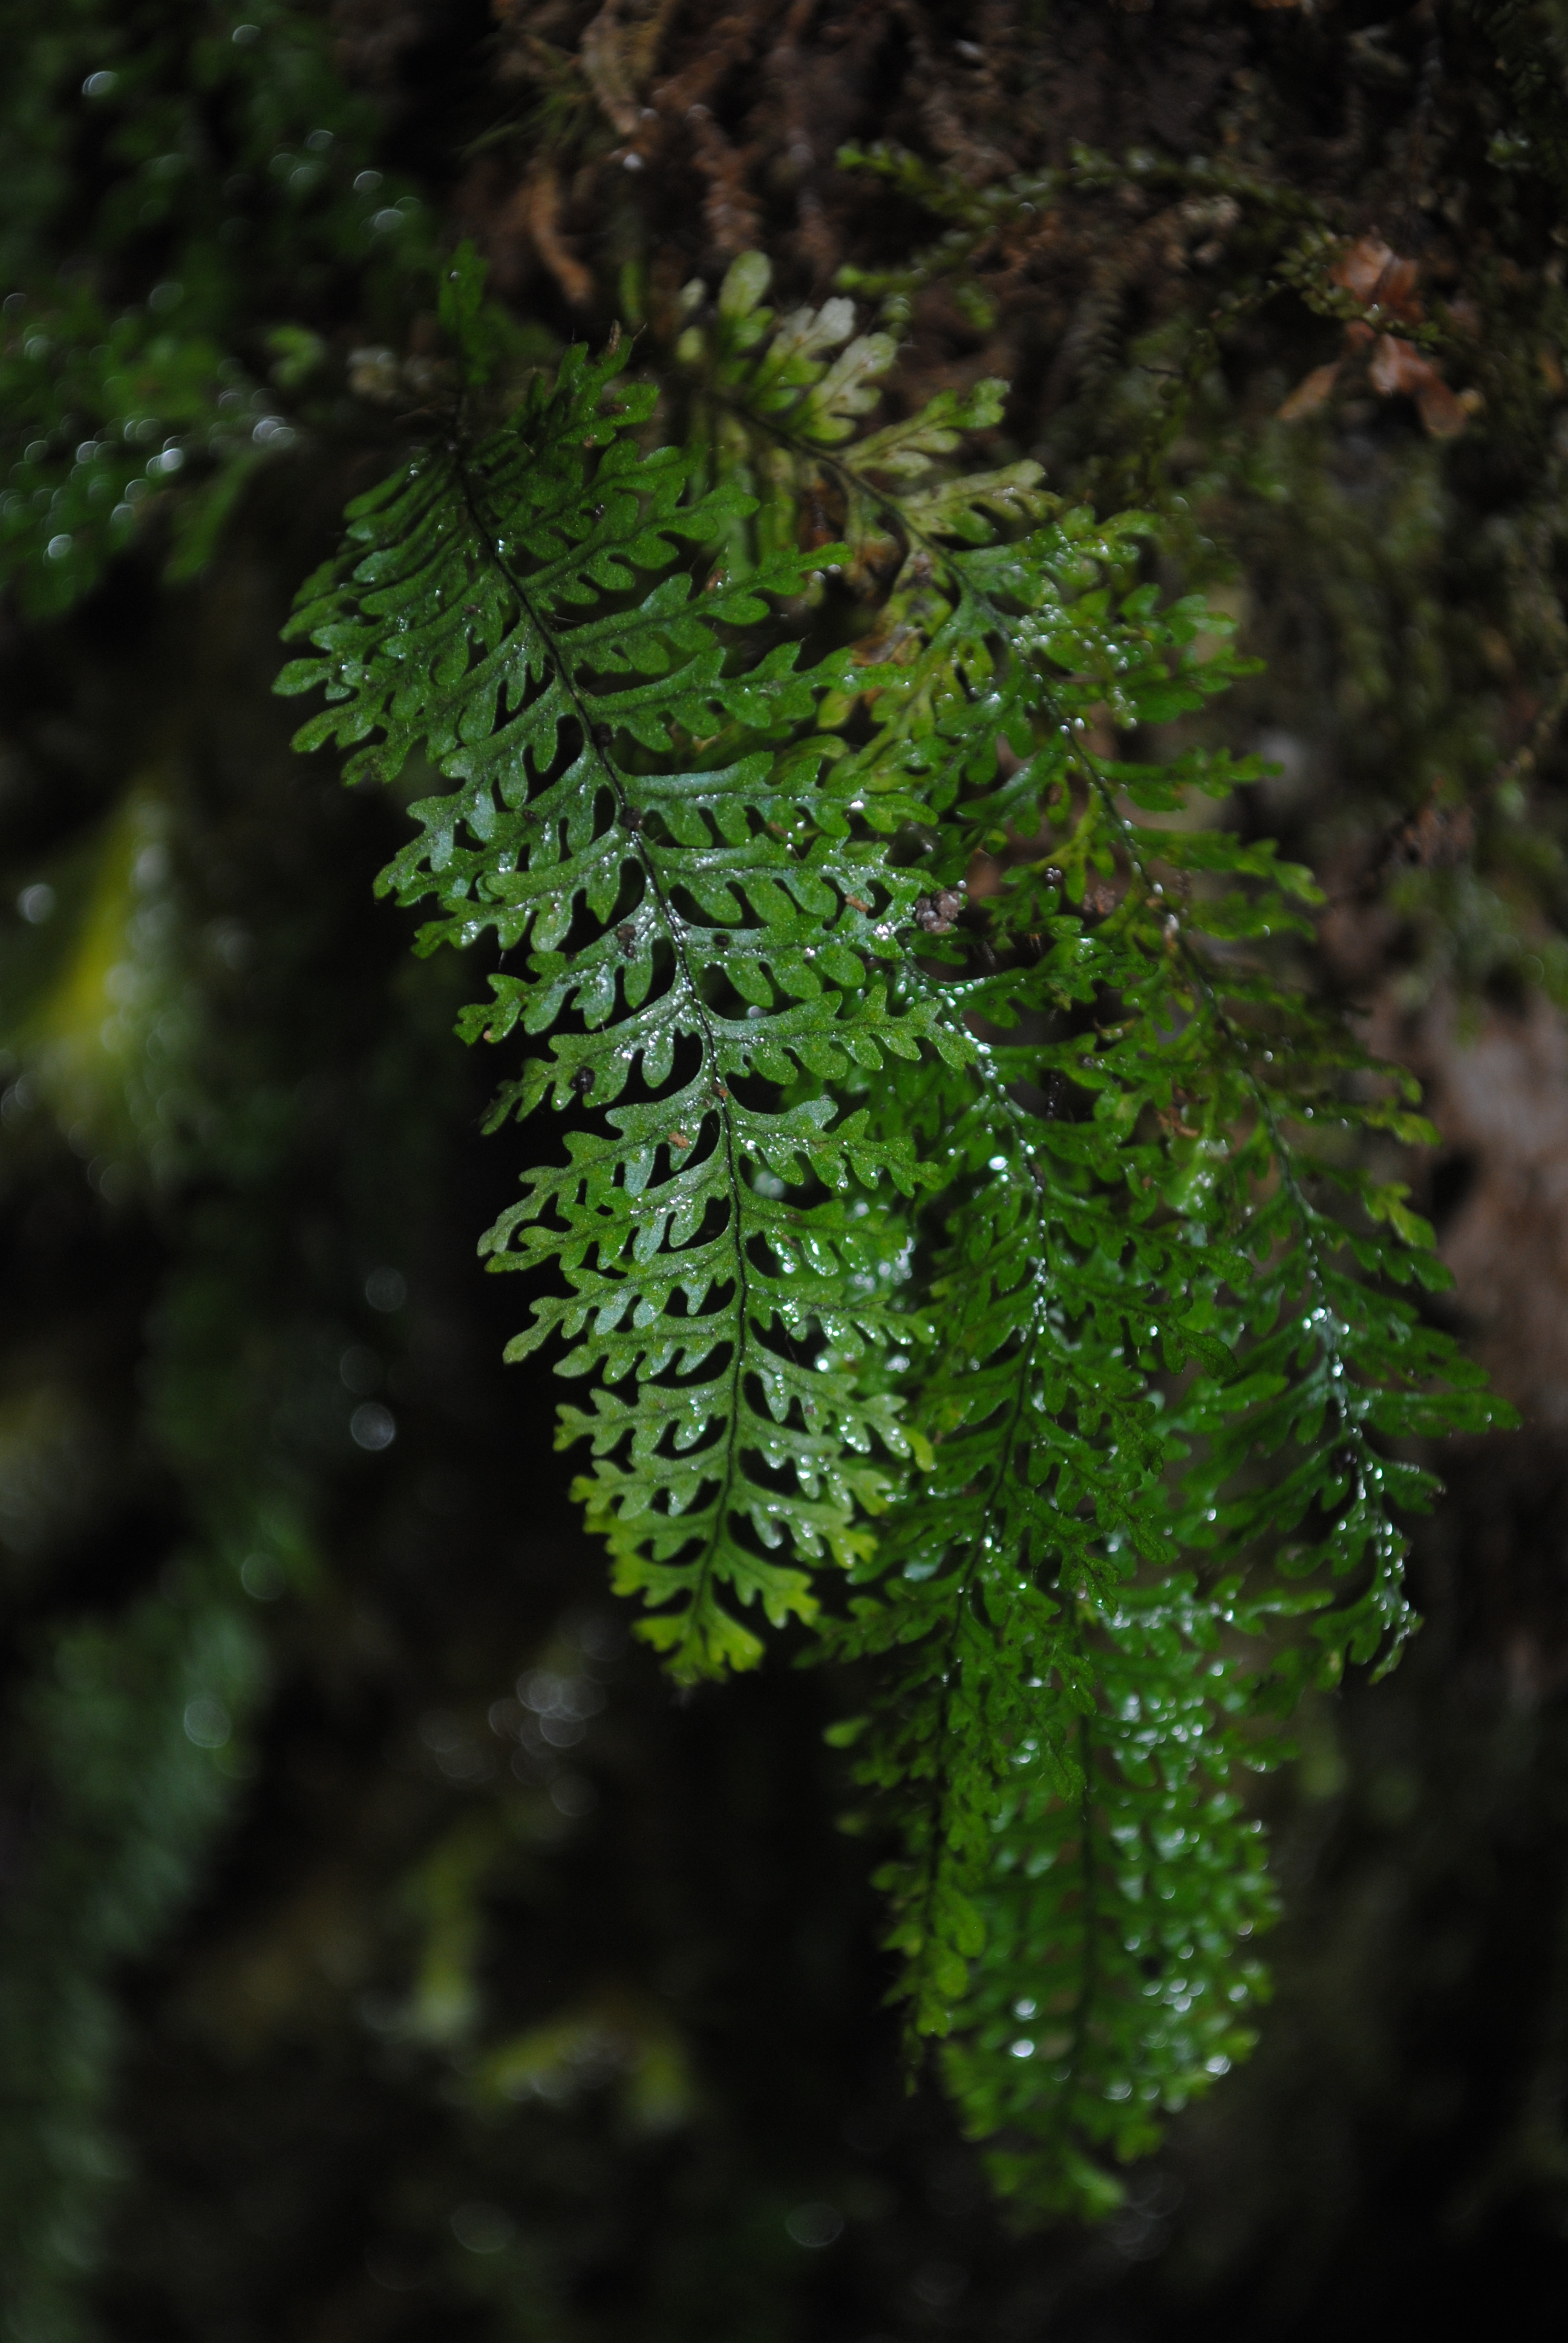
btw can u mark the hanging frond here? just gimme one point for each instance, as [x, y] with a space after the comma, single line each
[1072, 1142]
[1132, 1158]
[625, 812]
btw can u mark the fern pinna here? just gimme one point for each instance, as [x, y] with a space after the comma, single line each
[948, 1196]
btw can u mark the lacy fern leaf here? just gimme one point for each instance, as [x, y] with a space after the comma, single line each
[891, 1005]
[624, 809]
[1127, 1212]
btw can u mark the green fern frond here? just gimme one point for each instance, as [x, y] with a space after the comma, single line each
[1126, 1197]
[626, 810]
[1071, 1143]
[976, 214]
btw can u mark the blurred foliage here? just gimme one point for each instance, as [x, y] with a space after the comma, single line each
[383, 1952]
[220, 176]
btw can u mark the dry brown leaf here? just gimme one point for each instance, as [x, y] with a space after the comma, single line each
[1443, 411]
[1437, 837]
[1370, 271]
[1310, 393]
[727, 44]
[1398, 366]
[731, 209]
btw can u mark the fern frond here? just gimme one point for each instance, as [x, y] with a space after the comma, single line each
[976, 214]
[1128, 1196]
[1155, 1368]
[693, 951]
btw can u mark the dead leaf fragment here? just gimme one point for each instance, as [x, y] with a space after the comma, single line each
[1437, 837]
[618, 51]
[1398, 366]
[1311, 393]
[1372, 272]
[1443, 412]
[535, 211]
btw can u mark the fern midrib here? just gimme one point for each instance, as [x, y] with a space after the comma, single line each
[676, 933]
[889, 500]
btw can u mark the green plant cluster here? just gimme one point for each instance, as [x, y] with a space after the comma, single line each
[1076, 1155]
